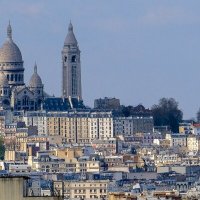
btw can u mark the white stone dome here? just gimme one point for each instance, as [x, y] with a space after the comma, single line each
[3, 80]
[35, 80]
[10, 52]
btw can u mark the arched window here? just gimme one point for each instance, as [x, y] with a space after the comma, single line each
[65, 58]
[8, 77]
[11, 77]
[15, 77]
[73, 58]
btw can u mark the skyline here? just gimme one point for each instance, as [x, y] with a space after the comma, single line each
[117, 47]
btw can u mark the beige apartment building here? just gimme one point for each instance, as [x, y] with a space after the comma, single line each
[46, 162]
[192, 143]
[89, 189]
[71, 152]
[73, 127]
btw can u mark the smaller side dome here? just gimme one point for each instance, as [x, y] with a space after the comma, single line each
[3, 80]
[35, 80]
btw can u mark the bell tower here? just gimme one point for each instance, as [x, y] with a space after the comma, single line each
[71, 67]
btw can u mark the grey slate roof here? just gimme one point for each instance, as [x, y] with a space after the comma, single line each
[61, 104]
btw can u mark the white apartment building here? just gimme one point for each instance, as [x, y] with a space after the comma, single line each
[101, 125]
[38, 119]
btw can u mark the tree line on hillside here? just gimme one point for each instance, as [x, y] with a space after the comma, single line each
[165, 113]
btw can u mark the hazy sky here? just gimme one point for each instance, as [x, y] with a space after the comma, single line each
[135, 50]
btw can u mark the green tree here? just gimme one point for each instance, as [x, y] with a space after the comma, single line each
[167, 113]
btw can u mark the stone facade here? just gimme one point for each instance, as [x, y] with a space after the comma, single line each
[14, 94]
[71, 82]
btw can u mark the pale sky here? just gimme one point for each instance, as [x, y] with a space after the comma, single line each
[136, 50]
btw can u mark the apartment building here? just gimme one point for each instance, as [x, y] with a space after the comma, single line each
[192, 143]
[88, 189]
[177, 140]
[132, 125]
[73, 127]
[45, 162]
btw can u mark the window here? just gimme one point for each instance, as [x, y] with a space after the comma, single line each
[25, 101]
[73, 59]
[74, 80]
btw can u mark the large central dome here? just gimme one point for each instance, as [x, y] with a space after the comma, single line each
[10, 52]
[11, 63]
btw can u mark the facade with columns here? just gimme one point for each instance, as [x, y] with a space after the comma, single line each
[15, 95]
